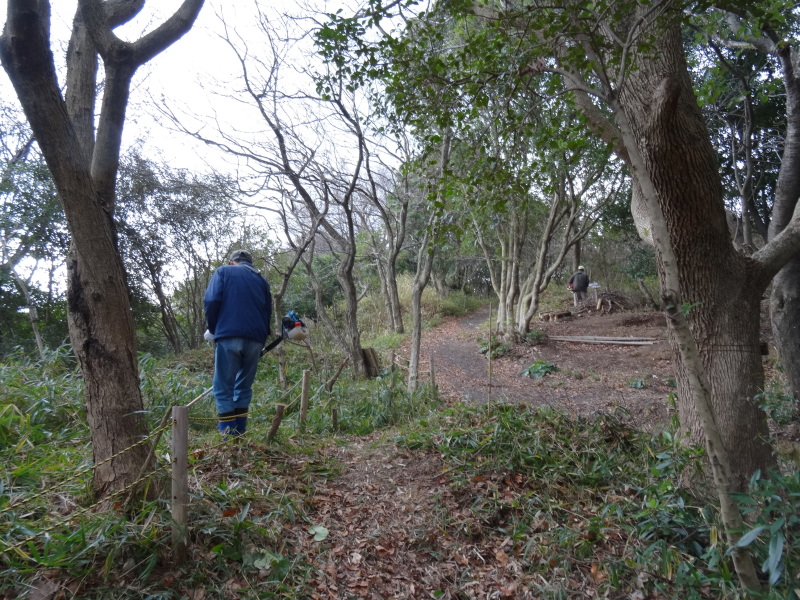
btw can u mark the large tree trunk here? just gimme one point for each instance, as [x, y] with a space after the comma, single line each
[722, 288]
[99, 316]
[785, 300]
[785, 316]
[102, 335]
[672, 163]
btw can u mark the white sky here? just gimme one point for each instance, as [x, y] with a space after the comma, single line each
[190, 75]
[193, 75]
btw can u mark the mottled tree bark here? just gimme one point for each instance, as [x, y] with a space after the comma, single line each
[83, 163]
[720, 289]
[785, 299]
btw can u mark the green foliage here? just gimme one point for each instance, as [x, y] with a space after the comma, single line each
[641, 262]
[365, 406]
[237, 524]
[562, 494]
[34, 233]
[455, 304]
[539, 369]
[534, 337]
[493, 347]
[686, 307]
[773, 507]
[780, 407]
[168, 382]
[435, 308]
[566, 493]
[47, 391]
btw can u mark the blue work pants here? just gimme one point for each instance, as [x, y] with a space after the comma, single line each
[235, 365]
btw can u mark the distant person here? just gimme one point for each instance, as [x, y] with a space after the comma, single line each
[238, 307]
[579, 283]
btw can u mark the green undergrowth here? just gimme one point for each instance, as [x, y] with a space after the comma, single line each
[595, 503]
[584, 507]
[244, 492]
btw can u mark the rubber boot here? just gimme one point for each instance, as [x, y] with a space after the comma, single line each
[241, 420]
[227, 424]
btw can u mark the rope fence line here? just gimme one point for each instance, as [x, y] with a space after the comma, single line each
[180, 461]
[17, 547]
[78, 474]
[231, 440]
[179, 465]
[166, 424]
[233, 417]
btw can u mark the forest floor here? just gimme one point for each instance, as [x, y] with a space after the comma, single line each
[383, 509]
[591, 378]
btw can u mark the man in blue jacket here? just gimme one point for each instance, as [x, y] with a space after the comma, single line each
[238, 307]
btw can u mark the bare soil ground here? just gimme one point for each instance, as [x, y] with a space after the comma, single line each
[592, 378]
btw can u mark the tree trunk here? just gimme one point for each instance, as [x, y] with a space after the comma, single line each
[723, 290]
[785, 299]
[421, 279]
[785, 318]
[394, 296]
[576, 256]
[33, 314]
[352, 336]
[672, 164]
[99, 316]
[382, 278]
[168, 320]
[425, 255]
[647, 295]
[102, 334]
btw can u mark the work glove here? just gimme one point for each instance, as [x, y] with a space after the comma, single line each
[208, 336]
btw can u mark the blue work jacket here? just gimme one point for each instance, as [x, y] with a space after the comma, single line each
[238, 303]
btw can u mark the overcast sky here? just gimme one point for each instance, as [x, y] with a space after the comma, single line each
[191, 76]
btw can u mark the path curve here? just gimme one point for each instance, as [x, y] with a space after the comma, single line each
[592, 378]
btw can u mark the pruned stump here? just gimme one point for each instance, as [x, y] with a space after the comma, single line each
[372, 364]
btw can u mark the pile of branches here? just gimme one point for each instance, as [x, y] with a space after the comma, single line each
[607, 302]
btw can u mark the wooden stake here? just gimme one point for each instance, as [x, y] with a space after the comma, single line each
[150, 454]
[489, 388]
[180, 481]
[304, 400]
[433, 380]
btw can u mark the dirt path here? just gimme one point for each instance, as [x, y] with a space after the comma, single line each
[386, 512]
[592, 378]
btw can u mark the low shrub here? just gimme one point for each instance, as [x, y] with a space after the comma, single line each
[494, 347]
[539, 369]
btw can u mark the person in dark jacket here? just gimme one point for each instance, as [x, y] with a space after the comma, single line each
[238, 307]
[579, 283]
